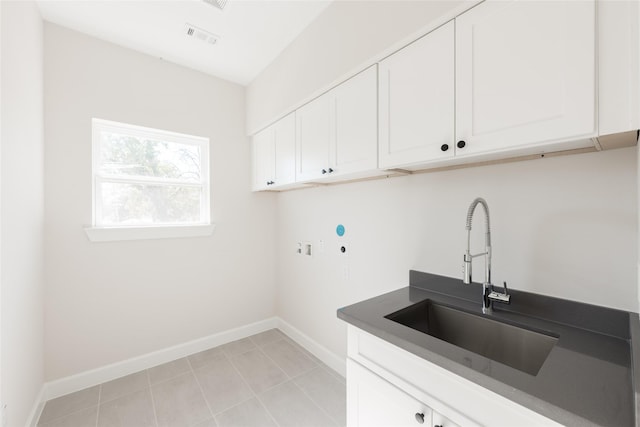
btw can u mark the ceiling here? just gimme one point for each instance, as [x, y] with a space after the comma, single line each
[252, 33]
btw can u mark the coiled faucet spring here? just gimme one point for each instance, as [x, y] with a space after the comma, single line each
[488, 294]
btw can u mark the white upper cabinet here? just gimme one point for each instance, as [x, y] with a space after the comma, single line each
[263, 159]
[313, 136]
[618, 66]
[355, 109]
[416, 102]
[285, 150]
[274, 155]
[525, 74]
[336, 134]
[506, 78]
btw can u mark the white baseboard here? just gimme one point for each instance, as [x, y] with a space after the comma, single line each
[93, 377]
[329, 358]
[38, 406]
[100, 375]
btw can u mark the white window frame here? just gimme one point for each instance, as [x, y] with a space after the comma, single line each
[100, 232]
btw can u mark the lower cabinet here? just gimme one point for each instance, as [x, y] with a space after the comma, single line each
[388, 386]
[373, 402]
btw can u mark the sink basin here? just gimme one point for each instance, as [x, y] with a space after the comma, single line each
[513, 346]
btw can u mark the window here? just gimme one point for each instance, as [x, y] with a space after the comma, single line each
[148, 178]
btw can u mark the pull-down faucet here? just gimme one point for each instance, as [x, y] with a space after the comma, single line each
[488, 294]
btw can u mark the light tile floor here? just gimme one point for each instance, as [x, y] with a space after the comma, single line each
[264, 380]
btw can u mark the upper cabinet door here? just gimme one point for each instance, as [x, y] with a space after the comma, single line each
[285, 150]
[525, 73]
[416, 101]
[313, 136]
[355, 112]
[263, 159]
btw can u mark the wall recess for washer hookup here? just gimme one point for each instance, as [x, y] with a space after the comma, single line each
[304, 248]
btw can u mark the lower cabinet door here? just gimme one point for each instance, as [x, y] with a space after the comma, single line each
[372, 401]
[442, 421]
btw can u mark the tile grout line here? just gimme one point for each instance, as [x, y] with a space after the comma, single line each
[289, 378]
[97, 405]
[153, 401]
[235, 405]
[255, 395]
[276, 364]
[235, 368]
[306, 372]
[173, 377]
[56, 419]
[317, 405]
[267, 411]
[319, 362]
[292, 378]
[315, 365]
[306, 353]
[325, 369]
[228, 357]
[206, 401]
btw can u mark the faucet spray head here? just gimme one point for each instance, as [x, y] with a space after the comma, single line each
[466, 269]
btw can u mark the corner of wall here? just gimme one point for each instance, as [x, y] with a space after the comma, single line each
[22, 211]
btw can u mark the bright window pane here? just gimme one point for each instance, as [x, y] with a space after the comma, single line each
[148, 177]
[136, 156]
[140, 204]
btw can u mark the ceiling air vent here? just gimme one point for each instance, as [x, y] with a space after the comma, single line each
[200, 34]
[220, 4]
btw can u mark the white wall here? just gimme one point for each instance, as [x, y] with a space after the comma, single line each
[339, 42]
[22, 209]
[107, 302]
[563, 226]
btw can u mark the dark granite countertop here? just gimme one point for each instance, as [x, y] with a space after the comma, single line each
[587, 379]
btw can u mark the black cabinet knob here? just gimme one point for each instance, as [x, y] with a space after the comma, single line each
[270, 182]
[324, 171]
[461, 144]
[444, 147]
[330, 170]
[420, 418]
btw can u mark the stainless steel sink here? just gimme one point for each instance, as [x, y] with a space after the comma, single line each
[513, 346]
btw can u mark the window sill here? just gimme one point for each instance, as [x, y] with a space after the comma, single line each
[112, 234]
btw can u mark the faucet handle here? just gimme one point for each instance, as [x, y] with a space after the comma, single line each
[502, 297]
